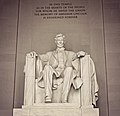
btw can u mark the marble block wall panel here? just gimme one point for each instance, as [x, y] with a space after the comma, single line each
[112, 40]
[17, 112]
[56, 110]
[8, 32]
[6, 112]
[84, 33]
[90, 112]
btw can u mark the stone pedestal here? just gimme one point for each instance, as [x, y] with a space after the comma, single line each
[56, 109]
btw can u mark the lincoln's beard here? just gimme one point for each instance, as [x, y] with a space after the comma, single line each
[60, 45]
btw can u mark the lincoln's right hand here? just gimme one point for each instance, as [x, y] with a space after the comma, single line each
[33, 54]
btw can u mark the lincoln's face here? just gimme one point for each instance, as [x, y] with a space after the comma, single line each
[59, 42]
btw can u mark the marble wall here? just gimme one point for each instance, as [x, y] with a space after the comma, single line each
[101, 41]
[112, 43]
[8, 33]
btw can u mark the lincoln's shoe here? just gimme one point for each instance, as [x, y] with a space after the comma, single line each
[48, 100]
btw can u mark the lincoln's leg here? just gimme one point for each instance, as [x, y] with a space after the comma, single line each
[68, 74]
[48, 78]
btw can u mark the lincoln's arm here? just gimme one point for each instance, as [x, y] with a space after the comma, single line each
[43, 57]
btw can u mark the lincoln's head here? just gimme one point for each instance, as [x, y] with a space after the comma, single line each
[59, 40]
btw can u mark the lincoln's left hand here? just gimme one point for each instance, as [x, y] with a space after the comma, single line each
[81, 54]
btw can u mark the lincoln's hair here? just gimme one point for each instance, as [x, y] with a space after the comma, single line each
[59, 35]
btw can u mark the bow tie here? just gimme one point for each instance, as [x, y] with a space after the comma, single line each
[60, 49]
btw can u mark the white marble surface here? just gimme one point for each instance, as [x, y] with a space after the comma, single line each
[55, 69]
[60, 67]
[56, 109]
[17, 112]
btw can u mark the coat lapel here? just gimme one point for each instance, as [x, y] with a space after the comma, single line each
[55, 55]
[65, 57]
